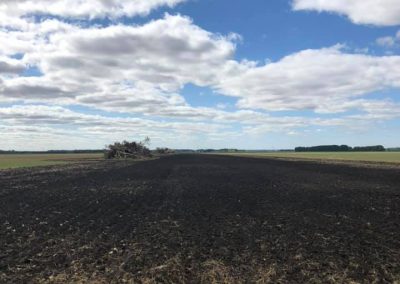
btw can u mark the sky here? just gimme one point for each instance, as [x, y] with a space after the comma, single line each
[257, 74]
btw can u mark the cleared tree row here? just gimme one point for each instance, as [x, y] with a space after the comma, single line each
[133, 150]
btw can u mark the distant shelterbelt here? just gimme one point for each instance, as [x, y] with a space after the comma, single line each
[341, 148]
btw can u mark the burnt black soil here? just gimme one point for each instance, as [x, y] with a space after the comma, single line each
[200, 218]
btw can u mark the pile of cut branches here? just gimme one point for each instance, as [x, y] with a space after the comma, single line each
[128, 150]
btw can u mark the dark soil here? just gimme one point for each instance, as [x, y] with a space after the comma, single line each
[200, 218]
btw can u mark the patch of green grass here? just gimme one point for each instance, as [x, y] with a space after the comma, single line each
[10, 161]
[382, 157]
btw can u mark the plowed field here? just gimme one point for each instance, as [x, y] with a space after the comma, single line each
[200, 219]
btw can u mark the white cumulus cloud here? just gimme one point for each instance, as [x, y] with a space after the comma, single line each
[11, 66]
[118, 68]
[83, 9]
[322, 80]
[373, 12]
[389, 41]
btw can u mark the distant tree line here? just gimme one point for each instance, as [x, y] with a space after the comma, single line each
[232, 150]
[341, 148]
[184, 151]
[163, 151]
[377, 148]
[225, 150]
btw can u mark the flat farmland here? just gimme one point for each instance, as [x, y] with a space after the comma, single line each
[9, 161]
[377, 157]
[200, 219]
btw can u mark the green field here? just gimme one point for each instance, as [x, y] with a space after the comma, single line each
[382, 157]
[9, 161]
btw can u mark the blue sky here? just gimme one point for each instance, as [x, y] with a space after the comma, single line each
[199, 73]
